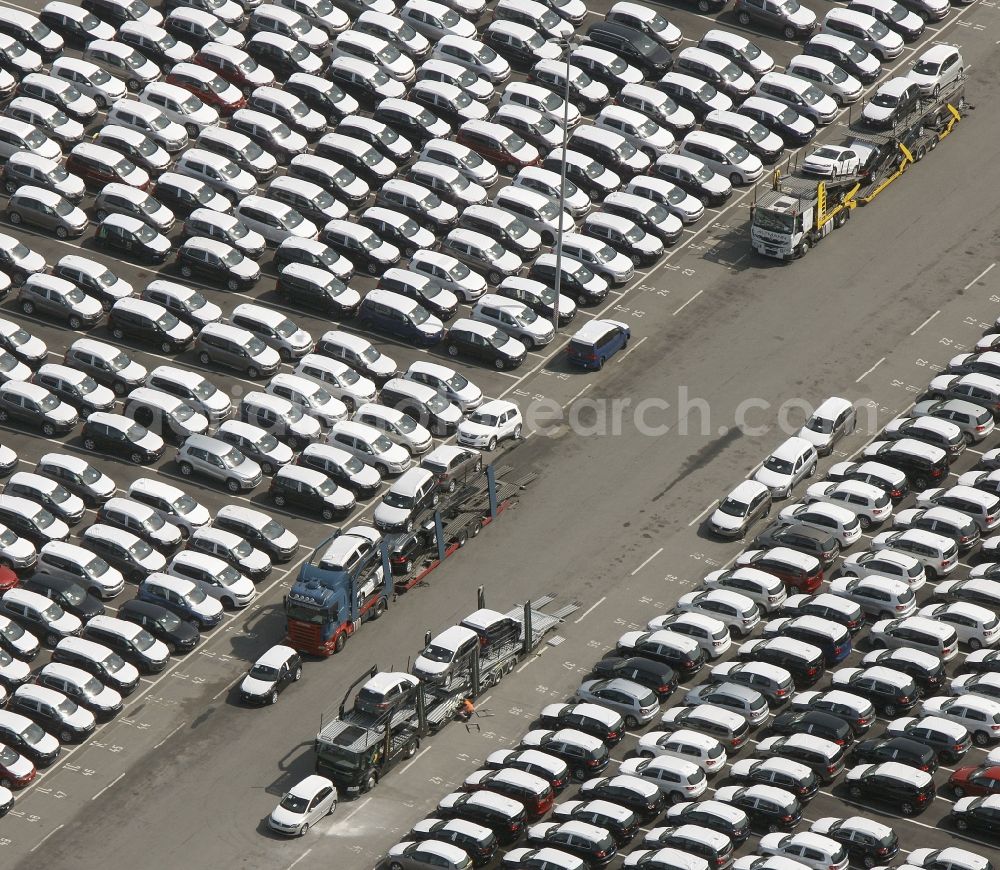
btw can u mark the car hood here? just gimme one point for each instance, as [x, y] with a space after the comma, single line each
[259, 688]
[877, 113]
[467, 427]
[16, 671]
[66, 624]
[425, 665]
[62, 413]
[281, 816]
[771, 478]
[817, 439]
[390, 516]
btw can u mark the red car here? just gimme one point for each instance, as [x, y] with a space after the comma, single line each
[8, 579]
[799, 571]
[16, 771]
[972, 780]
[210, 87]
[235, 66]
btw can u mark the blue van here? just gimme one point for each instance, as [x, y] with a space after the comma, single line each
[399, 316]
[596, 342]
[832, 638]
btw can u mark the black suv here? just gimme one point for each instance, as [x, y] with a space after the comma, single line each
[905, 751]
[781, 773]
[178, 634]
[659, 677]
[867, 843]
[609, 789]
[68, 595]
[632, 46]
[804, 661]
[714, 815]
[763, 808]
[567, 716]
[168, 333]
[890, 692]
[815, 542]
[905, 790]
[920, 468]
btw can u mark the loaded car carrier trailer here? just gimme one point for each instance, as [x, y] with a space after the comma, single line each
[356, 749]
[798, 211]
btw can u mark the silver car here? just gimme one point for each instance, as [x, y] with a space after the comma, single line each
[218, 460]
[636, 704]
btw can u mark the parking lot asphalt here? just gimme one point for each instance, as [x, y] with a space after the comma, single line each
[185, 776]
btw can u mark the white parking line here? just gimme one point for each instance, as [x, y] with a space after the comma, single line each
[416, 757]
[928, 320]
[645, 563]
[980, 276]
[117, 779]
[867, 372]
[577, 396]
[296, 861]
[686, 304]
[698, 518]
[594, 606]
[49, 834]
[621, 359]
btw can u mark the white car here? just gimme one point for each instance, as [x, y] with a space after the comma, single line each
[878, 596]
[987, 685]
[837, 521]
[813, 850]
[936, 68]
[490, 424]
[975, 625]
[749, 501]
[765, 590]
[833, 161]
[871, 504]
[738, 612]
[949, 858]
[979, 715]
[707, 752]
[885, 565]
[304, 804]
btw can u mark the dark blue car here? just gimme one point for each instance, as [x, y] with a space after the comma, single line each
[596, 342]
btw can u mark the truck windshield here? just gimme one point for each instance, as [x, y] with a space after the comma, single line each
[774, 222]
[304, 613]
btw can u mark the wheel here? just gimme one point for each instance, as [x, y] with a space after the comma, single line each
[185, 468]
[920, 484]
[735, 178]
[135, 458]
[475, 529]
[61, 233]
[166, 347]
[279, 500]
[947, 757]
[703, 6]
[370, 782]
[395, 865]
[517, 432]
[410, 749]
[274, 700]
[528, 342]
[452, 350]
[233, 284]
[407, 566]
[451, 485]
[192, 130]
[409, 526]
[510, 169]
[253, 373]
[743, 18]
[462, 538]
[492, 445]
[338, 644]
[382, 470]
[102, 103]
[409, 251]
[65, 736]
[186, 271]
[327, 515]
[52, 640]
[812, 471]
[975, 644]
[580, 774]
[27, 307]
[204, 358]
[789, 32]
[6, 783]
[890, 711]
[959, 791]
[868, 861]
[305, 826]
[548, 239]
[906, 809]
[266, 468]
[133, 84]
[493, 277]
[10, 187]
[88, 443]
[48, 430]
[75, 322]
[773, 828]
[981, 738]
[233, 485]
[631, 722]
[804, 247]
[101, 215]
[854, 791]
[499, 364]
[600, 362]
[864, 522]
[14, 217]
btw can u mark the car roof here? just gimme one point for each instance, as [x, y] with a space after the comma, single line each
[310, 786]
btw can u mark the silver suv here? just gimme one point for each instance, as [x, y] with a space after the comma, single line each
[220, 461]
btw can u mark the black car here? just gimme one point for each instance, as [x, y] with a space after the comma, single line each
[765, 810]
[698, 102]
[907, 794]
[691, 182]
[618, 792]
[929, 676]
[425, 289]
[691, 842]
[814, 722]
[12, 642]
[480, 849]
[944, 740]
[271, 674]
[27, 742]
[75, 31]
[659, 677]
[583, 760]
[38, 408]
[986, 662]
[815, 542]
[179, 635]
[781, 773]
[786, 124]
[849, 61]
[568, 716]
[320, 498]
[6, 681]
[579, 170]
[414, 128]
[632, 46]
[14, 59]
[328, 100]
[611, 74]
[315, 254]
[125, 235]
[577, 281]
[68, 595]
[621, 825]
[979, 814]
[482, 342]
[867, 843]
[326, 298]
[517, 54]
[891, 692]
[127, 439]
[467, 806]
[825, 606]
[595, 847]
[401, 232]
[539, 297]
[897, 488]
[717, 816]
[653, 218]
[407, 549]
[901, 749]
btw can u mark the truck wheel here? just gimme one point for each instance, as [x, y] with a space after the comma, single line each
[370, 782]
[462, 538]
[380, 608]
[410, 750]
[476, 528]
[338, 644]
[804, 248]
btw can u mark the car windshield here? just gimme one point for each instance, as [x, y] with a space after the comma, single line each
[812, 95]
[634, 234]
[879, 30]
[381, 444]
[514, 143]
[397, 500]
[185, 504]
[134, 59]
[74, 594]
[182, 413]
[12, 631]
[327, 487]
[371, 157]
[93, 687]
[737, 154]
[242, 549]
[499, 338]
[267, 443]
[294, 804]
[437, 653]
[140, 549]
[264, 672]
[7, 537]
[32, 734]
[53, 612]
[780, 466]
[7, 755]
[196, 595]
[217, 29]
[135, 432]
[438, 403]
[549, 211]
[352, 465]
[733, 507]
[926, 67]
[90, 474]
[232, 258]
[706, 92]
[370, 354]
[294, 414]
[143, 641]
[388, 54]
[58, 118]
[121, 361]
[64, 208]
[146, 233]
[49, 402]
[886, 101]
[7, 361]
[837, 75]
[790, 7]
[821, 425]
[593, 169]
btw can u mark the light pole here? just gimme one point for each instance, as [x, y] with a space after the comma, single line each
[568, 48]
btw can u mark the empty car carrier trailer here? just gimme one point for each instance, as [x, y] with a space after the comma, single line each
[799, 210]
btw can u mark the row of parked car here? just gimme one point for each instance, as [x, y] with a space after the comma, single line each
[807, 735]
